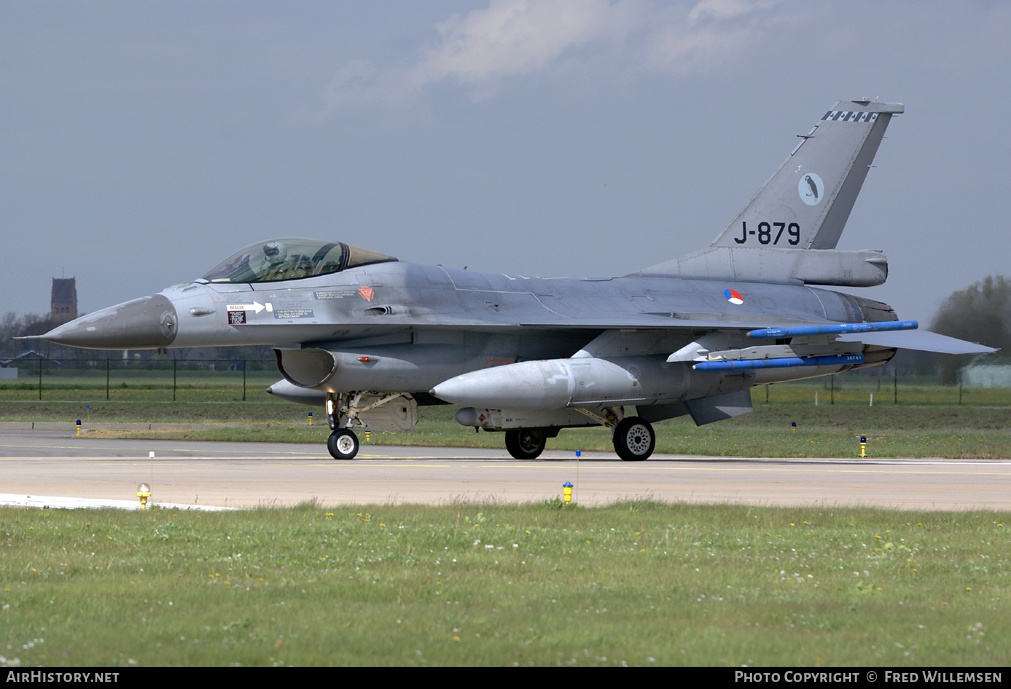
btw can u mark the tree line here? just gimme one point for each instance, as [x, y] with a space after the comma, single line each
[980, 313]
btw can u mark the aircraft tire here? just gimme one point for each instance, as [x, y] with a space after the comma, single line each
[634, 439]
[525, 443]
[343, 444]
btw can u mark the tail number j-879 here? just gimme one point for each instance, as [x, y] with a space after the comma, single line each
[770, 233]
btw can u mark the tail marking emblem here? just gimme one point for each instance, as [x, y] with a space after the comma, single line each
[811, 189]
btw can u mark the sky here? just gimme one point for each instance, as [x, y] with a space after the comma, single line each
[143, 143]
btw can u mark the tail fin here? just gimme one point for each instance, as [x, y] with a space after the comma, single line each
[804, 205]
[807, 201]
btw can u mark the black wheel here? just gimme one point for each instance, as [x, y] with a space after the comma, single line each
[525, 443]
[343, 444]
[634, 439]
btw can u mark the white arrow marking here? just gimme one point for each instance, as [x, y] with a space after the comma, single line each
[255, 307]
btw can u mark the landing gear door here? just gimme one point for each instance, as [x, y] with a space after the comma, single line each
[397, 414]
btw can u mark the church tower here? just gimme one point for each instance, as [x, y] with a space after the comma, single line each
[63, 305]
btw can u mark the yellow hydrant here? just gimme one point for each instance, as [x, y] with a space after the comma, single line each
[863, 446]
[143, 492]
[567, 492]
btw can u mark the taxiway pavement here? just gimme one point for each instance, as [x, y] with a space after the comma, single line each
[44, 463]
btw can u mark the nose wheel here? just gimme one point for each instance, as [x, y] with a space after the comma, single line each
[343, 444]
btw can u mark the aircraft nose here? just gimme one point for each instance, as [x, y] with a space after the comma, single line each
[145, 323]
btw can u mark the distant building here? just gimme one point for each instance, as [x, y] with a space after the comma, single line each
[63, 305]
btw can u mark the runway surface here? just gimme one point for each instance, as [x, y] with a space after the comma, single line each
[44, 463]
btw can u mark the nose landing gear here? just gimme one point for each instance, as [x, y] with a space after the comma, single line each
[343, 444]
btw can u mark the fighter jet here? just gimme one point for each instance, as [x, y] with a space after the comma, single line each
[373, 338]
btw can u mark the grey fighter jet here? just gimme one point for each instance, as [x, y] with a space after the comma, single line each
[372, 338]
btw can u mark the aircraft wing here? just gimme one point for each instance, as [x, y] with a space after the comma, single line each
[908, 337]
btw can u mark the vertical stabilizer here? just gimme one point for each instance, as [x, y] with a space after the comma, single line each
[807, 201]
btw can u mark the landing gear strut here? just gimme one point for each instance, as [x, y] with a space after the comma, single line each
[634, 439]
[525, 443]
[342, 443]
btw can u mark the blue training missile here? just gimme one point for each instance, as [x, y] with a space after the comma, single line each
[836, 329]
[783, 362]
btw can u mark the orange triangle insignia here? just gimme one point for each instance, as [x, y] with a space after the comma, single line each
[366, 293]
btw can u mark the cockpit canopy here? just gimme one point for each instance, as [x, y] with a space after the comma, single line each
[291, 258]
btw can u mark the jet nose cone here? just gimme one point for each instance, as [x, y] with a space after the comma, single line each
[145, 323]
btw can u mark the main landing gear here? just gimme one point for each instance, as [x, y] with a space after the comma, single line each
[633, 438]
[525, 443]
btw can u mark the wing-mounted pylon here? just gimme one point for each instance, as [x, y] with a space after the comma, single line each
[770, 360]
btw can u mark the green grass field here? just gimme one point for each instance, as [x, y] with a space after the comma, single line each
[632, 583]
[538, 584]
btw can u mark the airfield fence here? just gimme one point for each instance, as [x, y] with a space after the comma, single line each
[231, 380]
[152, 380]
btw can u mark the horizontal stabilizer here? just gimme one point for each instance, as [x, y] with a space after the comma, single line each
[920, 340]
